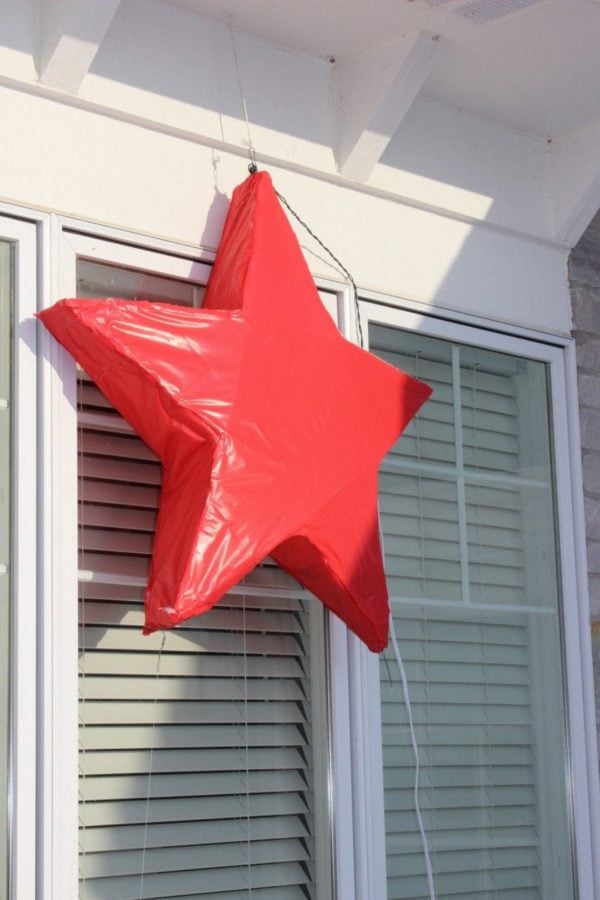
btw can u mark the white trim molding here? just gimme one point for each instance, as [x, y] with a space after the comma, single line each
[71, 32]
[373, 93]
[23, 724]
[574, 176]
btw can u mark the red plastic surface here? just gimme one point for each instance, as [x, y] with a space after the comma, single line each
[270, 425]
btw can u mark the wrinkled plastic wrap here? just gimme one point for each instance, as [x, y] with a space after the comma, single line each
[270, 426]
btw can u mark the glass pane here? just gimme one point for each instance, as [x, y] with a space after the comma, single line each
[486, 698]
[101, 280]
[236, 804]
[485, 666]
[430, 437]
[511, 544]
[422, 550]
[504, 414]
[6, 302]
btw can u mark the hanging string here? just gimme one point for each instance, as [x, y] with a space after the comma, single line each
[413, 739]
[422, 530]
[401, 669]
[253, 168]
[152, 733]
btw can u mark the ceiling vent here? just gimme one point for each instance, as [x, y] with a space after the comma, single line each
[480, 12]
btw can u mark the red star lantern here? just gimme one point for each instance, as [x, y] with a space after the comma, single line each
[270, 426]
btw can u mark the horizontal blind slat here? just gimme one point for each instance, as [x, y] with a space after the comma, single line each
[222, 617]
[178, 712]
[184, 664]
[198, 759]
[188, 641]
[123, 788]
[180, 809]
[109, 737]
[191, 833]
[200, 688]
[201, 882]
[177, 859]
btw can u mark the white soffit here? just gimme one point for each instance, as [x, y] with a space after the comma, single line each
[531, 65]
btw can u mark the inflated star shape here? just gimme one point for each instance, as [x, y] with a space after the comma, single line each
[270, 426]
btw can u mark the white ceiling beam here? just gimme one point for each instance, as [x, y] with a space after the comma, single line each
[373, 92]
[574, 168]
[71, 32]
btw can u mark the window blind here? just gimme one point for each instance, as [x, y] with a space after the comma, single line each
[228, 728]
[467, 515]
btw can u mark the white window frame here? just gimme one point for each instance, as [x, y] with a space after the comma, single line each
[59, 754]
[583, 785]
[22, 748]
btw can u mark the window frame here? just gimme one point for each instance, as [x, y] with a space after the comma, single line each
[21, 809]
[582, 763]
[59, 828]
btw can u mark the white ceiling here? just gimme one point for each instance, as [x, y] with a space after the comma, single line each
[534, 65]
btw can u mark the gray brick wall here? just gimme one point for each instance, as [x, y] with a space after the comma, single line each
[584, 276]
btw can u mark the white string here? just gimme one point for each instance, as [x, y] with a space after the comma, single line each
[146, 817]
[415, 747]
[251, 150]
[253, 168]
[413, 738]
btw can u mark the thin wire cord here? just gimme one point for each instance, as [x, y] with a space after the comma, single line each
[147, 815]
[340, 265]
[251, 150]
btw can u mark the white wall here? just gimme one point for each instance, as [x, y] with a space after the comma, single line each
[457, 213]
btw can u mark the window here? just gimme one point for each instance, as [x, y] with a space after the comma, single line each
[468, 510]
[263, 728]
[230, 720]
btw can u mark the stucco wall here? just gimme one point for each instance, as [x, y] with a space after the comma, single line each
[584, 274]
